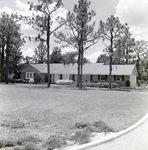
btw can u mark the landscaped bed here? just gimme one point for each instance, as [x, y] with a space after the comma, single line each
[37, 117]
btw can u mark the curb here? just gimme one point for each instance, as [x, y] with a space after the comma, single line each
[109, 138]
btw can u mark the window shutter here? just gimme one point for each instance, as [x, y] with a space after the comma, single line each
[90, 78]
[105, 77]
[114, 77]
[122, 78]
[98, 77]
[60, 76]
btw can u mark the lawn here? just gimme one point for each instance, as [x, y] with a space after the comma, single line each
[35, 112]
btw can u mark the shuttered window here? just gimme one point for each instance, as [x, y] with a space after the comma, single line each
[103, 78]
[118, 78]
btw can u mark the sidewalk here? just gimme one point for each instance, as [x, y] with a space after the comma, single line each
[136, 139]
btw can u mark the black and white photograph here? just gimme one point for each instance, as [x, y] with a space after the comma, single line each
[73, 75]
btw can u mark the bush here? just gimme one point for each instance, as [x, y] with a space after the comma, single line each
[82, 136]
[25, 138]
[9, 142]
[64, 82]
[13, 124]
[19, 80]
[81, 125]
[96, 84]
[55, 141]
[100, 126]
[127, 83]
[12, 80]
[30, 146]
[37, 78]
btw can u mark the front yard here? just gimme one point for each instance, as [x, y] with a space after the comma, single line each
[30, 114]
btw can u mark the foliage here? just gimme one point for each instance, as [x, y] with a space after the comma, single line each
[56, 56]
[82, 136]
[124, 48]
[55, 141]
[69, 58]
[101, 126]
[111, 31]
[37, 78]
[40, 53]
[42, 22]
[30, 146]
[86, 129]
[13, 124]
[23, 139]
[9, 142]
[141, 55]
[81, 125]
[127, 83]
[64, 82]
[11, 42]
[103, 58]
[80, 32]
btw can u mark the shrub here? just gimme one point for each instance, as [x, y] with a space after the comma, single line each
[17, 148]
[12, 80]
[82, 136]
[13, 124]
[127, 83]
[30, 146]
[55, 141]
[100, 126]
[114, 85]
[37, 78]
[64, 82]
[81, 125]
[19, 80]
[9, 142]
[27, 138]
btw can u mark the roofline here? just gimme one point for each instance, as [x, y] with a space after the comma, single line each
[23, 67]
[27, 66]
[35, 68]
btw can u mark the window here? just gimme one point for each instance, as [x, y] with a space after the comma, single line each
[61, 76]
[102, 78]
[29, 75]
[118, 78]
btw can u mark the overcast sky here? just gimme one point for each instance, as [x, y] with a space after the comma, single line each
[134, 12]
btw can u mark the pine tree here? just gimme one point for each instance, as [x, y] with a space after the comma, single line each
[111, 31]
[10, 43]
[43, 21]
[81, 32]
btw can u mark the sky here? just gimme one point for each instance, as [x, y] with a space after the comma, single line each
[132, 12]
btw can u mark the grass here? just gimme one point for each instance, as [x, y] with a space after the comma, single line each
[44, 112]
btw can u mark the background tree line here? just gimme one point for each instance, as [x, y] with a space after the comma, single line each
[79, 32]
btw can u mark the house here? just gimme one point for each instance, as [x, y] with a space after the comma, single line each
[92, 72]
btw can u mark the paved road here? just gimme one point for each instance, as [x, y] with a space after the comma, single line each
[134, 140]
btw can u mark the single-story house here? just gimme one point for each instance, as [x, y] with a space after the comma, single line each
[92, 72]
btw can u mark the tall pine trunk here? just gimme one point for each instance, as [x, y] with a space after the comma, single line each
[78, 75]
[110, 62]
[2, 63]
[110, 72]
[81, 70]
[138, 67]
[2, 59]
[7, 61]
[48, 49]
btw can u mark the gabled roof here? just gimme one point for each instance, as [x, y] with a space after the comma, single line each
[91, 68]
